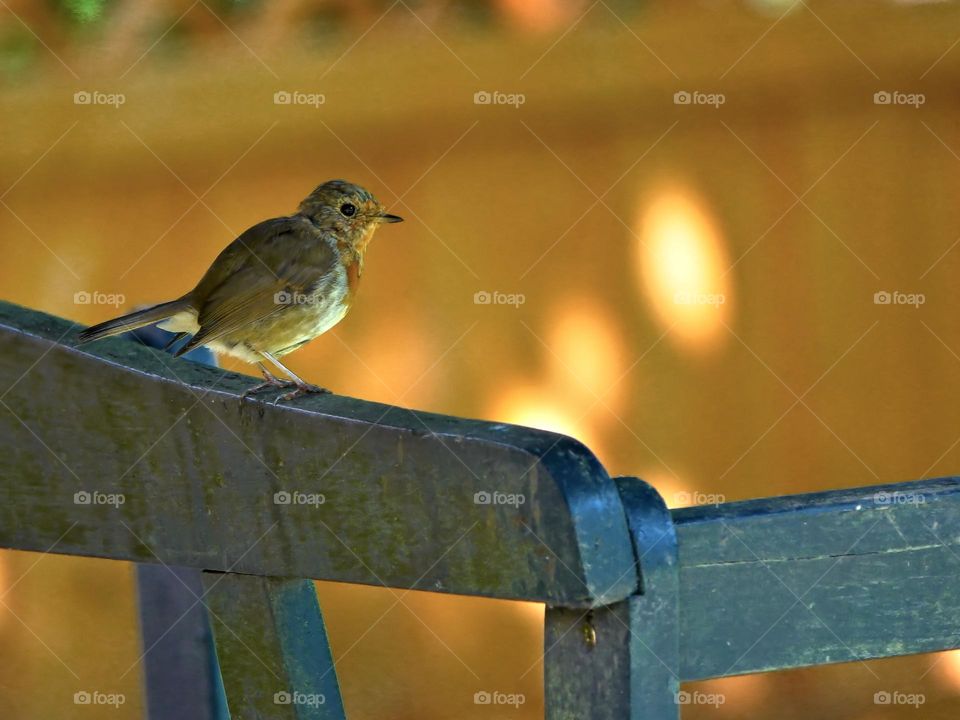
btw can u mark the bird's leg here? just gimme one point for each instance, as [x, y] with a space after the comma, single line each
[270, 381]
[302, 388]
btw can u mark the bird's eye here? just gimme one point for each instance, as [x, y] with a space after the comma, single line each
[348, 210]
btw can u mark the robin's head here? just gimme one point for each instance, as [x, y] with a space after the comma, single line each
[347, 210]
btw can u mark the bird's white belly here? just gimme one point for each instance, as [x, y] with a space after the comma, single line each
[304, 321]
[326, 310]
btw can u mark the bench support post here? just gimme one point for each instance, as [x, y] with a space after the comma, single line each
[272, 648]
[622, 661]
[179, 661]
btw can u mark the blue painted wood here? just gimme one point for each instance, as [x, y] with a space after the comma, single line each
[819, 578]
[637, 597]
[462, 506]
[622, 661]
[586, 663]
[179, 670]
[272, 648]
[302, 635]
[655, 612]
[181, 675]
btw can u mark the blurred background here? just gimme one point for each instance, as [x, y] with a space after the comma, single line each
[715, 240]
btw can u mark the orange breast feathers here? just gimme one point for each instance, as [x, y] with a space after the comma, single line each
[353, 263]
[352, 258]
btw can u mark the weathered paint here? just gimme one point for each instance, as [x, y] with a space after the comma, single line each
[638, 598]
[199, 470]
[821, 578]
[272, 648]
[622, 662]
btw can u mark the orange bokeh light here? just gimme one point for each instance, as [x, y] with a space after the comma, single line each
[536, 408]
[682, 267]
[540, 15]
[586, 358]
[947, 667]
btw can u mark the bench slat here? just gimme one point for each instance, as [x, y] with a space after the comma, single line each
[272, 646]
[821, 578]
[200, 476]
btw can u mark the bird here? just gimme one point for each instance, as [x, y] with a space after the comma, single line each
[276, 287]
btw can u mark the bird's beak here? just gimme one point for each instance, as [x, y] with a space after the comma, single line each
[388, 218]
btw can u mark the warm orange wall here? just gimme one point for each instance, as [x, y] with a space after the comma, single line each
[701, 400]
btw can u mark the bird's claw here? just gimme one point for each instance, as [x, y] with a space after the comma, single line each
[269, 381]
[274, 383]
[304, 389]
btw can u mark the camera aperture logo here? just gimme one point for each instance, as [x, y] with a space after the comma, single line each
[884, 697]
[482, 297]
[898, 497]
[684, 97]
[95, 97]
[515, 100]
[286, 297]
[95, 497]
[882, 297]
[686, 499]
[700, 698]
[895, 97]
[296, 97]
[82, 297]
[484, 697]
[299, 498]
[498, 498]
[95, 697]
[298, 698]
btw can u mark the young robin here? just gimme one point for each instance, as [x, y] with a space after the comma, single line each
[279, 285]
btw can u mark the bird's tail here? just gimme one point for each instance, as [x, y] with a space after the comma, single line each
[134, 320]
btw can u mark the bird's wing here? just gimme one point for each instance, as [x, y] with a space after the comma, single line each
[284, 255]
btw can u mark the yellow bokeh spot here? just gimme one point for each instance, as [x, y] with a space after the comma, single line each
[534, 408]
[948, 668]
[682, 266]
[586, 355]
[539, 15]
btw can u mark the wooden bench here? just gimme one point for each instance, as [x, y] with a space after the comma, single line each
[249, 502]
